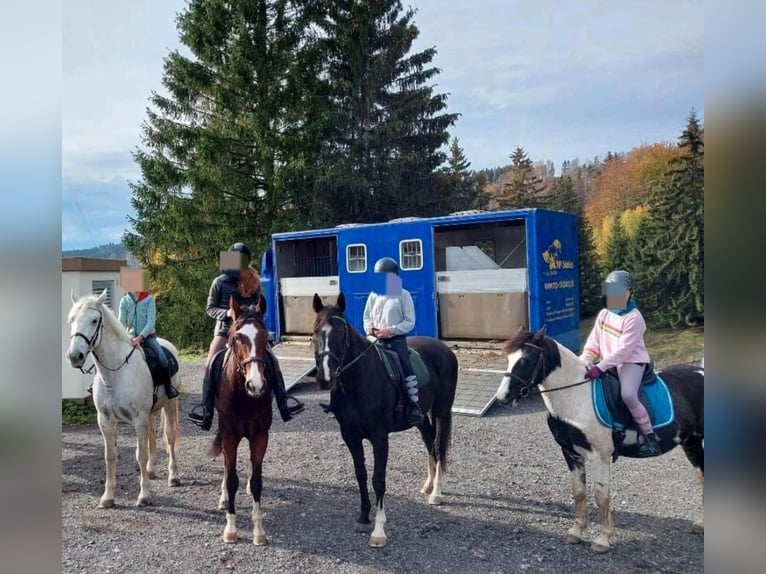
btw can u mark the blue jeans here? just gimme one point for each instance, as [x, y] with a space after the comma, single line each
[151, 341]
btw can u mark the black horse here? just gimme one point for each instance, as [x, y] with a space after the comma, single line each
[365, 402]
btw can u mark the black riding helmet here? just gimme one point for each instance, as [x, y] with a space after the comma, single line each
[386, 265]
[244, 249]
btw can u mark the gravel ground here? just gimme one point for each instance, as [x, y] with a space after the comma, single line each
[507, 503]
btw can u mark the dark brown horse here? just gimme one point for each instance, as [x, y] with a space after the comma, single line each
[244, 411]
[364, 400]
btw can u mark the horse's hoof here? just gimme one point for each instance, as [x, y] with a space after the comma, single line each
[143, 501]
[106, 503]
[223, 505]
[698, 528]
[174, 481]
[426, 489]
[572, 539]
[599, 548]
[435, 500]
[363, 527]
[230, 537]
[151, 474]
[260, 540]
[378, 541]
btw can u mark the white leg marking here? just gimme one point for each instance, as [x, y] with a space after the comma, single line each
[431, 467]
[259, 534]
[601, 473]
[436, 495]
[580, 525]
[230, 532]
[378, 537]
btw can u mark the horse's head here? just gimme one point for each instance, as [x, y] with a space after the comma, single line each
[86, 320]
[331, 339]
[248, 338]
[531, 358]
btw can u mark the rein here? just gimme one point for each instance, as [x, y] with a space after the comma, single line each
[531, 386]
[342, 368]
[95, 341]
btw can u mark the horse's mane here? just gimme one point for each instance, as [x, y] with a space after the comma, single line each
[110, 319]
[522, 337]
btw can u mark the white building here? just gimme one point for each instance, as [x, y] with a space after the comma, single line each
[85, 275]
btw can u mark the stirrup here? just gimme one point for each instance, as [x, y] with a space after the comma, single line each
[197, 413]
[298, 407]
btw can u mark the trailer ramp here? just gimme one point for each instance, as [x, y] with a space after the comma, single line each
[479, 376]
[296, 359]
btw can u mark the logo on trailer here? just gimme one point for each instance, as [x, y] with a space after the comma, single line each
[553, 257]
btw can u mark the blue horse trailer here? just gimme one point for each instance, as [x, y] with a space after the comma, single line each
[472, 275]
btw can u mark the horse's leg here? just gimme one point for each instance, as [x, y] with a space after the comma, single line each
[443, 425]
[232, 483]
[142, 422]
[354, 443]
[380, 453]
[695, 452]
[576, 464]
[601, 472]
[171, 427]
[258, 446]
[428, 434]
[108, 428]
[152, 442]
[223, 500]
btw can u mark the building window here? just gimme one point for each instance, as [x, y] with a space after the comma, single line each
[98, 286]
[411, 254]
[356, 258]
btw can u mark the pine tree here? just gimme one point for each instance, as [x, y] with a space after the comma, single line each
[230, 152]
[564, 197]
[617, 248]
[389, 125]
[524, 188]
[676, 207]
[465, 185]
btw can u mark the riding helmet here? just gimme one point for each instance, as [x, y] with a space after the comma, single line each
[243, 249]
[617, 282]
[386, 265]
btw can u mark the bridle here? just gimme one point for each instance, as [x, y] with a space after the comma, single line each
[532, 386]
[94, 341]
[240, 365]
[342, 365]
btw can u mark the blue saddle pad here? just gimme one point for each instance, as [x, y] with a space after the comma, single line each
[656, 398]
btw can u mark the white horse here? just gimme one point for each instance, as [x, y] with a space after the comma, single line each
[122, 391]
[537, 363]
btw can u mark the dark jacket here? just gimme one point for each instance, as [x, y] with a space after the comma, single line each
[221, 290]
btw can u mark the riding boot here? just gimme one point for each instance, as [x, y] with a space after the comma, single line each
[650, 446]
[414, 414]
[204, 420]
[281, 396]
[170, 390]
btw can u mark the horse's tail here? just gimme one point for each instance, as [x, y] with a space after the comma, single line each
[216, 447]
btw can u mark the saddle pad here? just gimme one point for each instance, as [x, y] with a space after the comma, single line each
[393, 367]
[660, 405]
[153, 364]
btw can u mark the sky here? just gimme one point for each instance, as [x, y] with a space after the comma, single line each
[563, 80]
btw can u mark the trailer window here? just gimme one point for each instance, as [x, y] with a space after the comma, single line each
[411, 254]
[356, 258]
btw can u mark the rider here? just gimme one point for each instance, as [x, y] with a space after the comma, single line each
[245, 286]
[138, 313]
[617, 338]
[390, 316]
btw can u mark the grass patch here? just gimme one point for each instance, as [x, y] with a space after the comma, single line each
[666, 346]
[192, 355]
[74, 413]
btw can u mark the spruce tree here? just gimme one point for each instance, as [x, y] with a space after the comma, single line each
[617, 248]
[465, 186]
[523, 190]
[676, 207]
[229, 151]
[389, 126]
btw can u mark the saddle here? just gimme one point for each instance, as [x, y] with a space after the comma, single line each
[393, 367]
[612, 411]
[159, 377]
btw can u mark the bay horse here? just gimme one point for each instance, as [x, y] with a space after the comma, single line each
[538, 363]
[123, 391]
[364, 400]
[244, 411]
